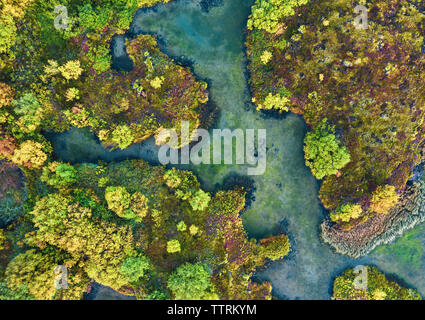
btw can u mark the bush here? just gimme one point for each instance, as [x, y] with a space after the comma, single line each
[135, 268]
[323, 152]
[173, 246]
[378, 287]
[275, 247]
[118, 200]
[346, 212]
[30, 154]
[200, 200]
[383, 199]
[190, 282]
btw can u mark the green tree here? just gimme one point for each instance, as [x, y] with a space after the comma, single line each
[29, 111]
[323, 152]
[190, 282]
[267, 14]
[157, 295]
[8, 33]
[94, 19]
[35, 270]
[181, 226]
[30, 154]
[277, 102]
[173, 246]
[200, 200]
[100, 247]
[62, 175]
[378, 287]
[118, 200]
[383, 199]
[122, 136]
[346, 211]
[71, 70]
[139, 205]
[134, 268]
[21, 293]
[6, 94]
[3, 240]
[275, 247]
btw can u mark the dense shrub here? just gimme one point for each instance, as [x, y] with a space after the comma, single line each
[383, 199]
[191, 282]
[324, 154]
[378, 287]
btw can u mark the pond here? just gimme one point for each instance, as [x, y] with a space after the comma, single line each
[212, 39]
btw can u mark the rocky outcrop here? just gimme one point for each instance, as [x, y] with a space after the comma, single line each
[380, 229]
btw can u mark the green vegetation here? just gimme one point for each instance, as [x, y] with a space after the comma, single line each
[136, 239]
[191, 282]
[19, 294]
[52, 80]
[135, 268]
[378, 287]
[135, 228]
[267, 15]
[360, 92]
[323, 153]
[407, 249]
[383, 199]
[347, 211]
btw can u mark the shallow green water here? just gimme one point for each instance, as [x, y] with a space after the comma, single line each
[286, 197]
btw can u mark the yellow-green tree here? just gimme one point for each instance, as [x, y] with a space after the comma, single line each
[35, 270]
[122, 136]
[383, 199]
[346, 211]
[118, 200]
[71, 70]
[6, 94]
[324, 154]
[191, 282]
[30, 154]
[99, 247]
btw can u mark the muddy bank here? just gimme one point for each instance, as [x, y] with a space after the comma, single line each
[381, 229]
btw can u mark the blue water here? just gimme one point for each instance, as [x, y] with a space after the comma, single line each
[286, 197]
